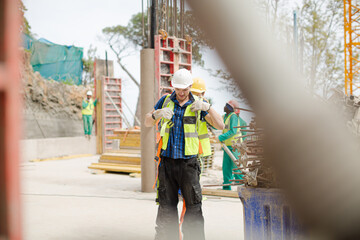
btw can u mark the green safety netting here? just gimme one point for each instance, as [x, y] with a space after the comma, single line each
[54, 61]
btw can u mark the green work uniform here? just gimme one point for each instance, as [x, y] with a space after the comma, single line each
[228, 164]
[87, 112]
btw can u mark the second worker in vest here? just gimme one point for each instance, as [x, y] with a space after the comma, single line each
[179, 168]
[198, 89]
[231, 120]
[88, 106]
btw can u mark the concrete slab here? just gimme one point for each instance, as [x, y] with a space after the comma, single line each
[64, 200]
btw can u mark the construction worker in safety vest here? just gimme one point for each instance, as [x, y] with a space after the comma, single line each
[231, 120]
[88, 106]
[180, 114]
[198, 89]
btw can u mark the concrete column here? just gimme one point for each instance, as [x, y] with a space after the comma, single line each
[148, 94]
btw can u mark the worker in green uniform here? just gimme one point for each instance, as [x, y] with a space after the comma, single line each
[231, 120]
[88, 106]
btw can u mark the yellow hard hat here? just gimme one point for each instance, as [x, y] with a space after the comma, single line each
[198, 85]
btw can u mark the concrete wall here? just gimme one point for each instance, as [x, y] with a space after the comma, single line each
[31, 149]
[45, 126]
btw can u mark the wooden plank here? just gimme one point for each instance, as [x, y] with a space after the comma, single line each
[121, 158]
[125, 150]
[123, 131]
[220, 193]
[124, 139]
[120, 161]
[130, 144]
[116, 167]
[121, 154]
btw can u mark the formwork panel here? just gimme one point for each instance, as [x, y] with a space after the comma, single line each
[111, 117]
[171, 54]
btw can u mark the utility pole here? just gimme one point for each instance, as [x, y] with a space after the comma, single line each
[148, 88]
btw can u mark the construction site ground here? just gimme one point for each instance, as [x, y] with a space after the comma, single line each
[63, 199]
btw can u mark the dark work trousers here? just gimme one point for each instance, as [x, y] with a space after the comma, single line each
[183, 174]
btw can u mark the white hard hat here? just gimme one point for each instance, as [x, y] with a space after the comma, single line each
[181, 79]
[89, 93]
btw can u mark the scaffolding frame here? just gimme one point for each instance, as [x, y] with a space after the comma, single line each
[352, 46]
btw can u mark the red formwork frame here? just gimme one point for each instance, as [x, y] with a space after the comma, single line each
[171, 54]
[110, 117]
[10, 124]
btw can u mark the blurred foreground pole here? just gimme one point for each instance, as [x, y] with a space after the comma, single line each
[315, 157]
[147, 93]
[10, 120]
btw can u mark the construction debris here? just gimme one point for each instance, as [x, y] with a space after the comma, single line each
[250, 162]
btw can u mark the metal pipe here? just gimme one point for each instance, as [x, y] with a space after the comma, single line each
[118, 110]
[242, 126]
[132, 114]
[229, 153]
[242, 168]
[182, 11]
[249, 130]
[106, 64]
[153, 23]
[167, 17]
[142, 23]
[175, 18]
[249, 135]
[244, 109]
[149, 24]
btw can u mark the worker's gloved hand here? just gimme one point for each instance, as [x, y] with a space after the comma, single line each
[163, 113]
[200, 105]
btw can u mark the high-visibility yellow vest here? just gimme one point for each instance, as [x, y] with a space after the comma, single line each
[191, 121]
[89, 109]
[228, 142]
[204, 139]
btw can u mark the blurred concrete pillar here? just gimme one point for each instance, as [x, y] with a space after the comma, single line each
[148, 91]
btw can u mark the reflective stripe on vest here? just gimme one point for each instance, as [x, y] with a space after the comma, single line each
[229, 142]
[89, 108]
[204, 139]
[190, 124]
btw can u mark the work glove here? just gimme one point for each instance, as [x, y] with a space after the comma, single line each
[163, 113]
[200, 105]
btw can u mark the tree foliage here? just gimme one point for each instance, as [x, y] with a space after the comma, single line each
[133, 32]
[321, 28]
[25, 27]
[321, 35]
[88, 66]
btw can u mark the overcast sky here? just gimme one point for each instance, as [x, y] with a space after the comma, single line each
[80, 22]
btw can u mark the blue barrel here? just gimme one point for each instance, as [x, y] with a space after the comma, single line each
[267, 215]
